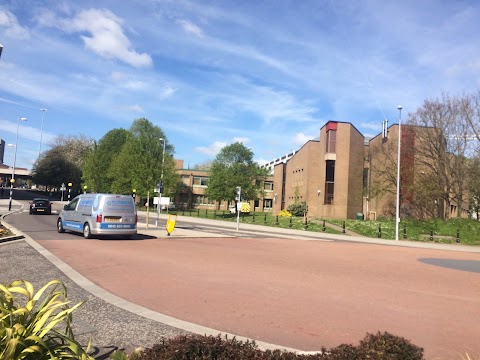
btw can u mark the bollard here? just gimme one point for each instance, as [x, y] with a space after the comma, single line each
[305, 226]
[206, 213]
[198, 213]
[290, 223]
[243, 216]
[183, 211]
[276, 220]
[214, 214]
[405, 231]
[379, 231]
[253, 218]
[458, 235]
[324, 228]
[265, 218]
[431, 234]
[223, 214]
[343, 228]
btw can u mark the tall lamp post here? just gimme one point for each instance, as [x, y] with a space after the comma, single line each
[41, 132]
[160, 185]
[12, 180]
[397, 212]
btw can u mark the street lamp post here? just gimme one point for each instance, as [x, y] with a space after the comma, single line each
[12, 180]
[69, 190]
[41, 132]
[397, 212]
[160, 185]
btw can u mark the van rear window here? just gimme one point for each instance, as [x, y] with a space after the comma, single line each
[118, 205]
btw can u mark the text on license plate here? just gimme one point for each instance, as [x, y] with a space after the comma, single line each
[112, 219]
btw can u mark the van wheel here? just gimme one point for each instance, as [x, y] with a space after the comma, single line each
[86, 231]
[60, 228]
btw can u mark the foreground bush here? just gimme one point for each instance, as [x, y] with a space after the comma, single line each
[374, 347]
[37, 326]
[298, 209]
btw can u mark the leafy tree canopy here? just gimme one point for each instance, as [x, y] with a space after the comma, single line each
[234, 166]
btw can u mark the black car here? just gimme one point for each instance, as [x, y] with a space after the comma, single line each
[42, 206]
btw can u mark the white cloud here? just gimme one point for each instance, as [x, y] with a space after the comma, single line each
[13, 29]
[107, 37]
[167, 91]
[212, 149]
[26, 132]
[190, 28]
[136, 108]
[300, 139]
[243, 140]
[377, 126]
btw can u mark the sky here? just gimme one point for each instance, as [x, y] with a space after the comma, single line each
[267, 73]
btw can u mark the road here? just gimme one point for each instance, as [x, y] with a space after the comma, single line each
[295, 293]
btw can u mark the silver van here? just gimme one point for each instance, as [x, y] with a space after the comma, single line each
[99, 214]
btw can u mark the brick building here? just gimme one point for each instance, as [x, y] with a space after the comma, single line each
[340, 175]
[195, 183]
[325, 173]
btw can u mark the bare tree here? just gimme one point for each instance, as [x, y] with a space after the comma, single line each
[441, 152]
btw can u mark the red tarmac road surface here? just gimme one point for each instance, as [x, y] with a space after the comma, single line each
[299, 294]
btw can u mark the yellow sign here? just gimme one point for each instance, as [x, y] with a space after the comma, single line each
[170, 226]
[245, 208]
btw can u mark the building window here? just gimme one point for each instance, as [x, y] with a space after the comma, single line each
[202, 200]
[329, 181]
[268, 186]
[200, 181]
[186, 179]
[331, 141]
[267, 203]
[256, 204]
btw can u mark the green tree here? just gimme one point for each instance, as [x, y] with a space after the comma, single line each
[232, 167]
[63, 163]
[53, 169]
[139, 163]
[96, 170]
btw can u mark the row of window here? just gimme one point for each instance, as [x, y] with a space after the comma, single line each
[268, 185]
[203, 181]
[203, 200]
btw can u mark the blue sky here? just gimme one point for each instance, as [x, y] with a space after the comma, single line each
[267, 73]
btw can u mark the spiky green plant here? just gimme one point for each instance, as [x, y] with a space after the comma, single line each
[37, 325]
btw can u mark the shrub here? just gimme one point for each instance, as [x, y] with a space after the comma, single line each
[202, 347]
[30, 323]
[374, 347]
[388, 347]
[298, 209]
[284, 213]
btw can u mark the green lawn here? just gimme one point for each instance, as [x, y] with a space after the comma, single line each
[259, 218]
[442, 231]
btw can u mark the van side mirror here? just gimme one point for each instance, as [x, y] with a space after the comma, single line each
[65, 207]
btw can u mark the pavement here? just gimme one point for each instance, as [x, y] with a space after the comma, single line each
[104, 316]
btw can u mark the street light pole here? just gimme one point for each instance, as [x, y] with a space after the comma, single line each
[397, 212]
[160, 185]
[12, 180]
[41, 132]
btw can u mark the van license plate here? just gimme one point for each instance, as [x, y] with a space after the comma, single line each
[112, 219]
